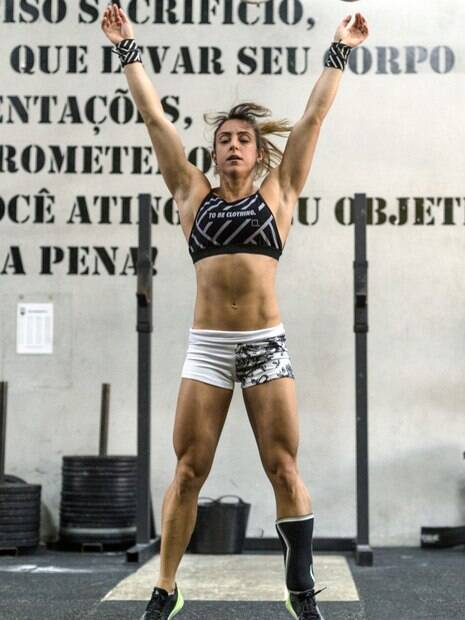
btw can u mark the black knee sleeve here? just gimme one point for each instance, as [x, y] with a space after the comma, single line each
[296, 534]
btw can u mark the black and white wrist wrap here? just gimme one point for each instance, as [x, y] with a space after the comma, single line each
[127, 51]
[338, 56]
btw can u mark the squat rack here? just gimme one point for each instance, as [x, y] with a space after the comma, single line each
[147, 542]
[363, 551]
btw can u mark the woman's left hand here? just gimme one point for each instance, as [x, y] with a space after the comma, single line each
[355, 34]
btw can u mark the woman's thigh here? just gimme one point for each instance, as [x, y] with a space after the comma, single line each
[272, 411]
[200, 416]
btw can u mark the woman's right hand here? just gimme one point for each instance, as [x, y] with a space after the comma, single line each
[115, 24]
[352, 33]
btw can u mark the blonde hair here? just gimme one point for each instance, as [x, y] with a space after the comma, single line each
[251, 112]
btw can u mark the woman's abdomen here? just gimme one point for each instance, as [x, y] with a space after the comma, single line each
[236, 292]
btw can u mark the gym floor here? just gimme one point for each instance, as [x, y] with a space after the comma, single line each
[404, 583]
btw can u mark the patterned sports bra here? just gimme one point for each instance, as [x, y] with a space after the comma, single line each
[245, 225]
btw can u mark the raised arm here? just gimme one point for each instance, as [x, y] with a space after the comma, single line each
[178, 173]
[294, 168]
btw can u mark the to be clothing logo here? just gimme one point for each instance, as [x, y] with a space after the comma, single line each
[231, 214]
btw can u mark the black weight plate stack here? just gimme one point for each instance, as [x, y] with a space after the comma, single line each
[19, 514]
[98, 500]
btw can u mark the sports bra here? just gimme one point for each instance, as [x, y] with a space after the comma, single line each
[245, 225]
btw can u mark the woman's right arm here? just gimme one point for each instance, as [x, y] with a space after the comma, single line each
[178, 173]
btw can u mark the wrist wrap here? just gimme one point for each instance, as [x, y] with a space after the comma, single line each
[338, 55]
[127, 51]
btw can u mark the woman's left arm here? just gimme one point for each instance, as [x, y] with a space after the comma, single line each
[297, 158]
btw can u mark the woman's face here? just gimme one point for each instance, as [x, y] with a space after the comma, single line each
[236, 148]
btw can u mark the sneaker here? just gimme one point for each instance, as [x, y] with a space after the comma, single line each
[163, 606]
[303, 606]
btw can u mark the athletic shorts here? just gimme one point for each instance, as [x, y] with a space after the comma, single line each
[222, 358]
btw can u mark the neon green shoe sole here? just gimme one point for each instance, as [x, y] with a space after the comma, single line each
[289, 607]
[179, 605]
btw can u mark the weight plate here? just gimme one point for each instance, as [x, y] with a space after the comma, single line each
[96, 512]
[80, 515]
[129, 470]
[99, 495]
[100, 483]
[99, 486]
[103, 501]
[12, 536]
[30, 524]
[19, 514]
[99, 467]
[26, 503]
[28, 542]
[108, 468]
[20, 505]
[88, 539]
[115, 531]
[100, 479]
[68, 514]
[76, 514]
[109, 497]
[18, 527]
[25, 506]
[98, 508]
[25, 490]
[12, 479]
[99, 462]
[92, 524]
[117, 458]
[95, 509]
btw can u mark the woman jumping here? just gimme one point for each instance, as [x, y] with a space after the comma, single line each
[236, 234]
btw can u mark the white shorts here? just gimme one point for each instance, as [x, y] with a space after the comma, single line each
[250, 357]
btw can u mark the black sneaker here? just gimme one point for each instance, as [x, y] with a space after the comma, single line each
[163, 606]
[303, 606]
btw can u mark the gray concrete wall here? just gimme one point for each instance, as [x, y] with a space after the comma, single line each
[396, 132]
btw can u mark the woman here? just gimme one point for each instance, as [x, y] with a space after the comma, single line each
[235, 236]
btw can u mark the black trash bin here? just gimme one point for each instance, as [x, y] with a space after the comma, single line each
[221, 525]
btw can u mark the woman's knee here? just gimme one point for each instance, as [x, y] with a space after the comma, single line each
[191, 475]
[283, 473]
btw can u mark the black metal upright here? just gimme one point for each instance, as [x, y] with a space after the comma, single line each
[104, 419]
[364, 553]
[145, 546]
[3, 407]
